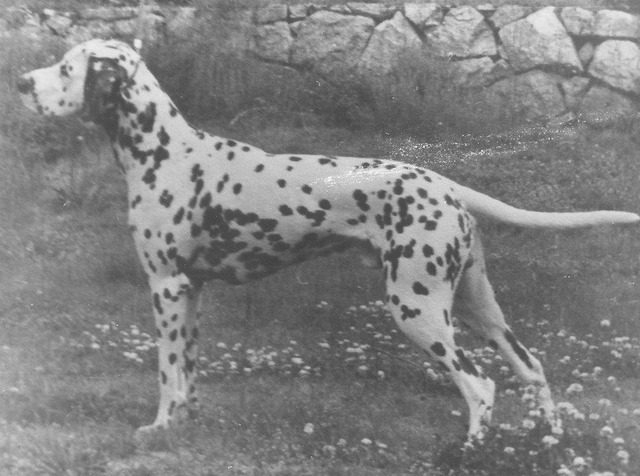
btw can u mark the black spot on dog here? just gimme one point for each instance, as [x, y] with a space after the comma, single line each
[517, 348]
[165, 198]
[420, 289]
[361, 200]
[149, 178]
[408, 313]
[147, 118]
[163, 137]
[205, 201]
[432, 270]
[156, 303]
[285, 210]
[267, 224]
[467, 365]
[439, 349]
[324, 204]
[177, 218]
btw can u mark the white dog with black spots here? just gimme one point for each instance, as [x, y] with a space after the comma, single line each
[203, 207]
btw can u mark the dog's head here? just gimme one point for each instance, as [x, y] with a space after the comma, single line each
[88, 79]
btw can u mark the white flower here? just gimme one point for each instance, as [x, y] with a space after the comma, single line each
[509, 450]
[574, 388]
[365, 441]
[564, 471]
[579, 461]
[330, 450]
[309, 428]
[528, 424]
[624, 456]
[342, 441]
[297, 361]
[606, 431]
[456, 413]
[221, 345]
[605, 323]
[619, 441]
[549, 441]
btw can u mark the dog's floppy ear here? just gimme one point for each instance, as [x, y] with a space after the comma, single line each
[101, 88]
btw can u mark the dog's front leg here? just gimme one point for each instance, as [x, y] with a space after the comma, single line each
[176, 311]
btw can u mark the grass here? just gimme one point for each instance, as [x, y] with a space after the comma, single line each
[309, 349]
[304, 372]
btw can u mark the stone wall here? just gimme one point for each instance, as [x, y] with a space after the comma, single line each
[548, 63]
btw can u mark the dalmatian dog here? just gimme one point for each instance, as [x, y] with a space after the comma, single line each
[203, 207]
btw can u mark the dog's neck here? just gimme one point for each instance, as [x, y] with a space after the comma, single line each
[142, 125]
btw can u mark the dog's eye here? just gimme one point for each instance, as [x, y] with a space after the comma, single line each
[63, 71]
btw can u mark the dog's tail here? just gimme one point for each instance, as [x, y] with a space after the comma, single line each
[482, 204]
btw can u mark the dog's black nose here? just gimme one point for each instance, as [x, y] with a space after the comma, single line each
[25, 85]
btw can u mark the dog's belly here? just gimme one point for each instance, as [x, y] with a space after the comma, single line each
[246, 258]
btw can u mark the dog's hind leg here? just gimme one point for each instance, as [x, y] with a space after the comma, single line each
[487, 320]
[425, 319]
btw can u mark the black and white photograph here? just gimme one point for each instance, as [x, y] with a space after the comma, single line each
[293, 238]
